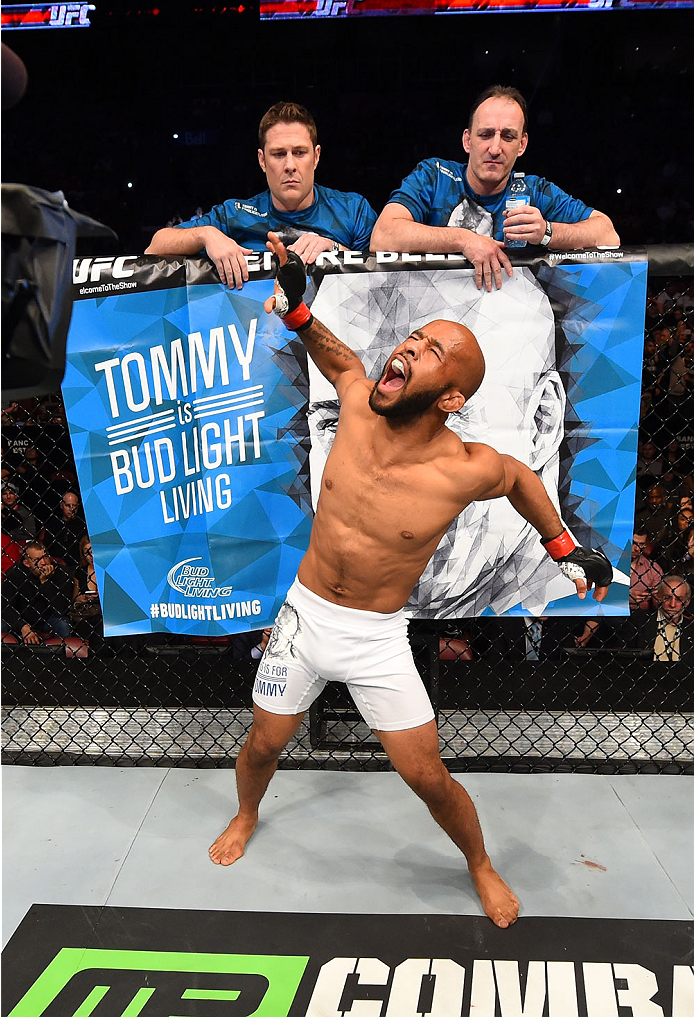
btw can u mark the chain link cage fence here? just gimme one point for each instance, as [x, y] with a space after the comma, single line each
[597, 695]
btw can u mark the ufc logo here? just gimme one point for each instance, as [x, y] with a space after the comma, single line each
[91, 268]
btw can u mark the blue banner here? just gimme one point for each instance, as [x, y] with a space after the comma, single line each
[178, 410]
[200, 432]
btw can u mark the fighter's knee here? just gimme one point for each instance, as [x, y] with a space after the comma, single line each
[430, 783]
[261, 748]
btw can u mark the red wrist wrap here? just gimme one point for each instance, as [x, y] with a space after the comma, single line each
[298, 317]
[559, 547]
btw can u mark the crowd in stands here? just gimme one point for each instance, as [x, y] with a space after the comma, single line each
[50, 592]
[45, 546]
[664, 471]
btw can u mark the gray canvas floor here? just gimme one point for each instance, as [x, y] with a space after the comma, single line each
[570, 845]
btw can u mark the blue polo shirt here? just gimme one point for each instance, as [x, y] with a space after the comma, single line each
[437, 193]
[338, 215]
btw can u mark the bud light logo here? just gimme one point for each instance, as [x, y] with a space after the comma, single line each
[195, 580]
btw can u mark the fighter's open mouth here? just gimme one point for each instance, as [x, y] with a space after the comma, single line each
[395, 376]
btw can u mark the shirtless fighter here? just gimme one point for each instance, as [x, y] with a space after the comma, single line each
[394, 480]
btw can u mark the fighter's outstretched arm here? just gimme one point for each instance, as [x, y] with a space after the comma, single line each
[526, 492]
[340, 365]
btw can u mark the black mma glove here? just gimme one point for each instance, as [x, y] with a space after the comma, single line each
[576, 562]
[291, 278]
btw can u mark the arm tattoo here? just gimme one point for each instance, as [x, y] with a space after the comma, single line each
[318, 338]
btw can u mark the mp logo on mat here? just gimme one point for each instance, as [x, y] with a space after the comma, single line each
[344, 966]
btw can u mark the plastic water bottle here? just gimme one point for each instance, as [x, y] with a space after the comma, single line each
[518, 196]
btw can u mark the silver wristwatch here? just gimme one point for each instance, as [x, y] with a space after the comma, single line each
[544, 242]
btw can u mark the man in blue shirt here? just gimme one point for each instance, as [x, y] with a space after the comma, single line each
[309, 218]
[451, 207]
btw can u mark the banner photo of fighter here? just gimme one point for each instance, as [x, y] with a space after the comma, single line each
[200, 428]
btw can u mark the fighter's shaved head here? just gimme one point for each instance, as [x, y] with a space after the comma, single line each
[459, 343]
[455, 372]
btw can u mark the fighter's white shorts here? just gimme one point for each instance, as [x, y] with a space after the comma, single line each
[314, 641]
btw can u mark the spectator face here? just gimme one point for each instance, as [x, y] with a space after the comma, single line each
[9, 497]
[649, 451]
[649, 347]
[69, 504]
[493, 143]
[289, 160]
[685, 520]
[37, 561]
[87, 555]
[656, 497]
[640, 545]
[673, 598]
[661, 337]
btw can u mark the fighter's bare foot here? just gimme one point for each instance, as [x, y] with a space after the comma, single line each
[230, 845]
[498, 900]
